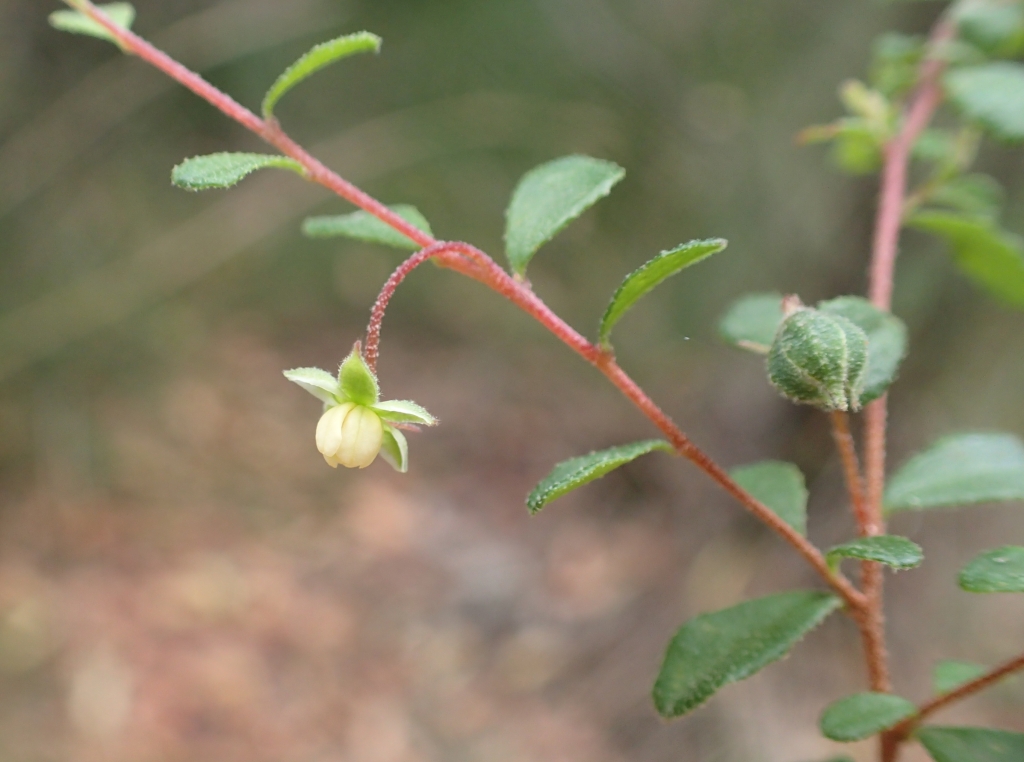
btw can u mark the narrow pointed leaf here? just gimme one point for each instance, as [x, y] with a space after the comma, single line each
[778, 485]
[395, 449]
[972, 744]
[122, 14]
[222, 170]
[317, 382]
[641, 281]
[991, 94]
[752, 322]
[357, 381]
[960, 469]
[887, 341]
[863, 715]
[314, 60]
[996, 571]
[404, 411]
[950, 675]
[551, 196]
[897, 552]
[363, 226]
[576, 472]
[990, 256]
[727, 646]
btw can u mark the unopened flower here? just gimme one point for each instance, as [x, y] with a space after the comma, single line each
[356, 426]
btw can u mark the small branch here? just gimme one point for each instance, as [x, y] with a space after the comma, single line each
[851, 469]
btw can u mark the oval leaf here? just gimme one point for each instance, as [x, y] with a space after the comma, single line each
[991, 257]
[404, 411]
[314, 60]
[363, 226]
[961, 469]
[972, 744]
[122, 14]
[778, 485]
[551, 196]
[887, 341]
[395, 449]
[716, 649]
[222, 170]
[950, 675]
[319, 383]
[997, 571]
[576, 472]
[863, 715]
[357, 381]
[752, 322]
[641, 281]
[897, 552]
[991, 94]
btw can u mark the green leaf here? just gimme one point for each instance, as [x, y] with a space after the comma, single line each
[778, 485]
[991, 257]
[863, 715]
[972, 744]
[895, 61]
[316, 59]
[319, 383]
[404, 411]
[643, 280]
[727, 646]
[573, 473]
[996, 571]
[897, 552]
[122, 14]
[950, 675]
[222, 170]
[975, 195]
[887, 341]
[363, 226]
[857, 149]
[551, 196]
[752, 322]
[357, 381]
[991, 94]
[395, 449]
[995, 27]
[960, 469]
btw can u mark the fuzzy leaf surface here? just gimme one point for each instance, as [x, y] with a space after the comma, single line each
[357, 381]
[395, 449]
[551, 196]
[752, 322]
[995, 571]
[363, 226]
[575, 472]
[726, 646]
[950, 675]
[863, 715]
[404, 411]
[991, 94]
[778, 485]
[887, 341]
[990, 256]
[122, 14]
[317, 382]
[957, 470]
[222, 170]
[896, 552]
[642, 280]
[972, 744]
[316, 59]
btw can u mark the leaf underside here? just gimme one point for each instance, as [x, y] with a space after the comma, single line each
[972, 744]
[778, 485]
[991, 94]
[363, 226]
[222, 170]
[995, 571]
[752, 322]
[863, 715]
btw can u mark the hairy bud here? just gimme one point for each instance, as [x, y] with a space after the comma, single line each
[350, 435]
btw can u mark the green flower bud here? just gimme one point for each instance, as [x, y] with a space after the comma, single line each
[350, 435]
[819, 359]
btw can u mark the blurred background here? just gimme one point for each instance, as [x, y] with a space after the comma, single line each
[181, 575]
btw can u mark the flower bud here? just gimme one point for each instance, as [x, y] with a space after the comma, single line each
[350, 435]
[819, 359]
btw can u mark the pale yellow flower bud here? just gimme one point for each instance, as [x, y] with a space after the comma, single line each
[349, 435]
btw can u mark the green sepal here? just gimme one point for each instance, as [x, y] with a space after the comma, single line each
[395, 449]
[713, 650]
[862, 715]
[222, 170]
[949, 675]
[317, 382]
[896, 552]
[995, 571]
[642, 280]
[404, 411]
[752, 322]
[358, 384]
[575, 472]
[778, 485]
[971, 744]
[363, 226]
[316, 59]
[76, 22]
